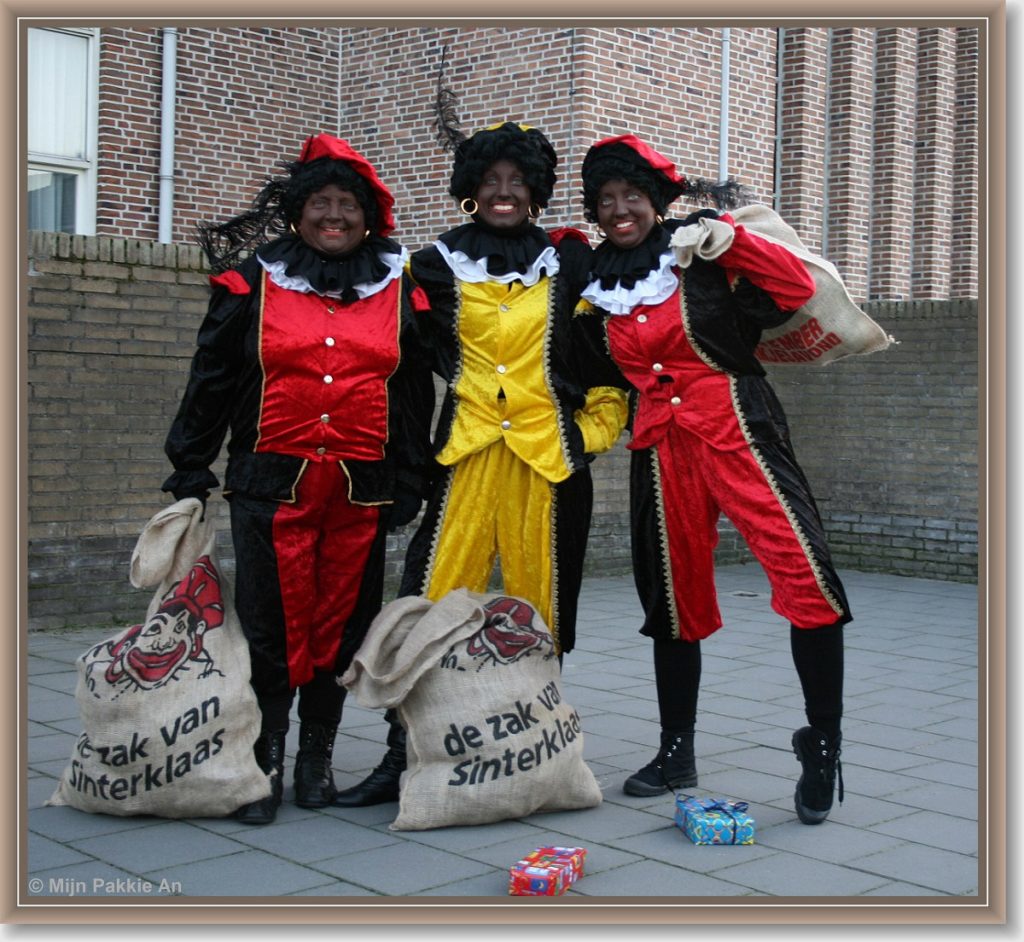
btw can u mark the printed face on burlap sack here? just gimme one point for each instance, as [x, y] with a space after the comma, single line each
[508, 633]
[169, 644]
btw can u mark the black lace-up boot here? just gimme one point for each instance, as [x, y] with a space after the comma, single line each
[819, 755]
[673, 767]
[314, 779]
[381, 785]
[269, 752]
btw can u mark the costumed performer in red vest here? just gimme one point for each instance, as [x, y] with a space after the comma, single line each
[709, 436]
[309, 355]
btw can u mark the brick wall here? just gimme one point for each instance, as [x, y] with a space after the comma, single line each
[888, 441]
[246, 98]
[112, 319]
[879, 127]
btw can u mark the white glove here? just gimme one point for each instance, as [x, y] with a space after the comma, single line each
[707, 239]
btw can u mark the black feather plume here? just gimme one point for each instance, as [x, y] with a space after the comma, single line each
[226, 244]
[725, 195]
[446, 120]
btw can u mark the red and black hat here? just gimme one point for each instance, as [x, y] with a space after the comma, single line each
[328, 147]
[627, 157]
[323, 160]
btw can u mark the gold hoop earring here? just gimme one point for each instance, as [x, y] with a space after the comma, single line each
[539, 210]
[469, 212]
[366, 235]
[659, 219]
[291, 226]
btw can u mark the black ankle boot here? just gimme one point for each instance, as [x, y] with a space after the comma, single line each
[314, 778]
[673, 767]
[819, 755]
[381, 785]
[269, 752]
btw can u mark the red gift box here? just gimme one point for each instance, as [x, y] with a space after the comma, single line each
[548, 871]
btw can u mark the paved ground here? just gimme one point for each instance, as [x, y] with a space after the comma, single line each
[908, 826]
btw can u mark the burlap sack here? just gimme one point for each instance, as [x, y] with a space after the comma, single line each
[169, 719]
[827, 328]
[476, 684]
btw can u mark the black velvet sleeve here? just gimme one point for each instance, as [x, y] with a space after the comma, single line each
[411, 400]
[591, 359]
[200, 426]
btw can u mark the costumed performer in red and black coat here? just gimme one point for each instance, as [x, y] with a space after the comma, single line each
[530, 397]
[684, 305]
[310, 355]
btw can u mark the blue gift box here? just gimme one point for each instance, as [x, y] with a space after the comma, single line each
[714, 820]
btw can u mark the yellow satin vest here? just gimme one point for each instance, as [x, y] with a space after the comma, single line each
[502, 329]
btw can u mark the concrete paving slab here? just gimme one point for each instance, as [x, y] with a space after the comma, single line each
[907, 829]
[156, 846]
[244, 873]
[405, 869]
[651, 878]
[943, 870]
[789, 874]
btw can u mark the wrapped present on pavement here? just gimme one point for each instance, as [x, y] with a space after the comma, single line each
[548, 871]
[714, 820]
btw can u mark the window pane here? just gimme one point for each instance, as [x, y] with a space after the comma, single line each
[58, 83]
[51, 201]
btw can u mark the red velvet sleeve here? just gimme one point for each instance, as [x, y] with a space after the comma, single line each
[232, 281]
[768, 265]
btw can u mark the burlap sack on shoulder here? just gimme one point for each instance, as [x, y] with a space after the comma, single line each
[169, 718]
[827, 328]
[476, 684]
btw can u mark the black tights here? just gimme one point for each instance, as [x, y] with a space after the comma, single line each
[817, 655]
[677, 676]
[320, 703]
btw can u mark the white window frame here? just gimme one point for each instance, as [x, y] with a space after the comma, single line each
[84, 169]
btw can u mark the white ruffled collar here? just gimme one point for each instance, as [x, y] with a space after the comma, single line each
[656, 287]
[474, 270]
[395, 264]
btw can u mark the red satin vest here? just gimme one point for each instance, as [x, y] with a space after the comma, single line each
[326, 366]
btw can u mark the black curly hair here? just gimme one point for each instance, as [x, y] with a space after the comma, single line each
[278, 204]
[618, 161]
[528, 149]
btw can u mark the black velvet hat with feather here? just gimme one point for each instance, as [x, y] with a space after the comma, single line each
[525, 146]
[626, 157]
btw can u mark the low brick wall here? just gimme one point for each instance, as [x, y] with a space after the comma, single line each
[888, 441]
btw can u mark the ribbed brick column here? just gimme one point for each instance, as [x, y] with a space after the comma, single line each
[849, 163]
[964, 268]
[802, 152]
[893, 203]
[933, 168]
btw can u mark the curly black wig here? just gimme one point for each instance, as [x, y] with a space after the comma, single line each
[527, 148]
[620, 162]
[279, 204]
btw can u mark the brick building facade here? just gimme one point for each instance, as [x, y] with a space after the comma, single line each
[865, 139]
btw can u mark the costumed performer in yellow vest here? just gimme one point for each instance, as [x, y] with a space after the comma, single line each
[530, 396]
